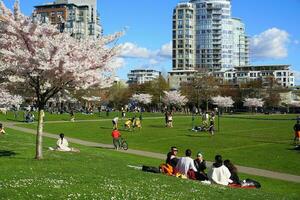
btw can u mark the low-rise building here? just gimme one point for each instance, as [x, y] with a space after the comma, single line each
[241, 74]
[140, 76]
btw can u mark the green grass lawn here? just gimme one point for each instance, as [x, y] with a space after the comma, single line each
[250, 142]
[97, 173]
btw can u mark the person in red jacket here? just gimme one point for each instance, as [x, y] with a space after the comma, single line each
[116, 135]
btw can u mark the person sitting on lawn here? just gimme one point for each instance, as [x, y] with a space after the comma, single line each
[200, 165]
[171, 162]
[62, 144]
[233, 171]
[185, 166]
[219, 173]
[116, 135]
[2, 131]
[172, 157]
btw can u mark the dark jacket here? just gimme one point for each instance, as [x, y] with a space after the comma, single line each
[200, 166]
[173, 162]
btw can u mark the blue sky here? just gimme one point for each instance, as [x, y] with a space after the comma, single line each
[272, 24]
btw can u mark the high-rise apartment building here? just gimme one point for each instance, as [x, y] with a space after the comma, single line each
[240, 44]
[183, 37]
[217, 40]
[78, 17]
[206, 39]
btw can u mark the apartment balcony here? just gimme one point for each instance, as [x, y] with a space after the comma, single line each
[217, 46]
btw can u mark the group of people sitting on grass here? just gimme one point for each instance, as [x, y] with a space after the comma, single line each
[222, 173]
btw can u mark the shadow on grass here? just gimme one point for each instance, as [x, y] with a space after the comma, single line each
[102, 127]
[7, 153]
[14, 120]
[157, 126]
[271, 142]
[198, 135]
[110, 148]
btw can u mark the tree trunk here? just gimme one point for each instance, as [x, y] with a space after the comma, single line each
[39, 135]
[206, 105]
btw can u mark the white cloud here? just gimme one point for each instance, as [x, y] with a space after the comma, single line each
[166, 50]
[116, 63]
[154, 57]
[133, 51]
[153, 61]
[270, 44]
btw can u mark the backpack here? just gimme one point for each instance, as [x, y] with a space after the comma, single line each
[166, 169]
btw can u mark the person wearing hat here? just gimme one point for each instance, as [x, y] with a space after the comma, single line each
[200, 165]
[172, 157]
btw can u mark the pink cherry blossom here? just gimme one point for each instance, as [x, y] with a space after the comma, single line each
[253, 102]
[142, 98]
[174, 98]
[223, 102]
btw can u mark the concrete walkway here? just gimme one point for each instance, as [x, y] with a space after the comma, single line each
[242, 169]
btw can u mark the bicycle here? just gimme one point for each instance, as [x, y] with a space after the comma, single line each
[123, 144]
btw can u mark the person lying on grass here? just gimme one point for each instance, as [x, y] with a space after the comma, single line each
[63, 145]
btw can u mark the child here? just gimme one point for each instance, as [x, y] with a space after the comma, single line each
[128, 124]
[138, 124]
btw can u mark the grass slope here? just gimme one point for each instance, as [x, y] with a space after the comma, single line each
[263, 144]
[96, 173]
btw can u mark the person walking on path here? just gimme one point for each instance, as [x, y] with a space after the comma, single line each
[72, 116]
[116, 135]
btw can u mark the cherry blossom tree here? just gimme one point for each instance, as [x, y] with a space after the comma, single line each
[142, 98]
[36, 58]
[174, 98]
[253, 103]
[8, 100]
[223, 102]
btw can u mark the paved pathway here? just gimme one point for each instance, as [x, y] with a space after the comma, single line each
[246, 170]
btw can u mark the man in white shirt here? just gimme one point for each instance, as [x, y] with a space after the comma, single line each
[185, 164]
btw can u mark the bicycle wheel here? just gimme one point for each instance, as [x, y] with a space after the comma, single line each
[124, 145]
